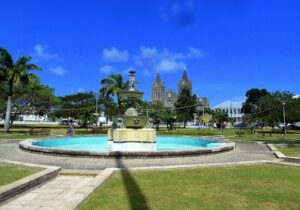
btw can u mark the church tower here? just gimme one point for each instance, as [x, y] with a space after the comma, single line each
[158, 90]
[184, 82]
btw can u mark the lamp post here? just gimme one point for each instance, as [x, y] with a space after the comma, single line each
[283, 109]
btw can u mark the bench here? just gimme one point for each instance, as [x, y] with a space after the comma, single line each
[263, 133]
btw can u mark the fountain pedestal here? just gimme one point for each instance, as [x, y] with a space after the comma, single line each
[130, 139]
[134, 137]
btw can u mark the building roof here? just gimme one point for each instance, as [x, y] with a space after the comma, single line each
[157, 79]
[228, 104]
[184, 76]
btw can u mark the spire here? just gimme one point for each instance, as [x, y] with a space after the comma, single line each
[157, 80]
[184, 76]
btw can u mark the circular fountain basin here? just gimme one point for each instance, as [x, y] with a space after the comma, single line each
[99, 146]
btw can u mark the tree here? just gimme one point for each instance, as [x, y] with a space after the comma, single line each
[185, 106]
[206, 118]
[250, 107]
[15, 73]
[87, 118]
[168, 117]
[114, 85]
[272, 108]
[70, 105]
[156, 113]
[220, 117]
[33, 98]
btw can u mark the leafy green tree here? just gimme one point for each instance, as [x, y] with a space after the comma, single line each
[185, 106]
[220, 117]
[33, 98]
[71, 105]
[114, 85]
[87, 118]
[15, 73]
[272, 108]
[168, 117]
[155, 115]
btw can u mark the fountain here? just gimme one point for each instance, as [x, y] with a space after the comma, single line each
[133, 136]
[131, 139]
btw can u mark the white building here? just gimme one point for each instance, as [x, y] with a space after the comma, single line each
[233, 109]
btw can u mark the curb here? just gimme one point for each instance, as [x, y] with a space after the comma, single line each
[276, 152]
[10, 190]
[27, 145]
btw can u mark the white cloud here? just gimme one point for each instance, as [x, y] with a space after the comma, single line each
[150, 59]
[40, 53]
[114, 55]
[58, 70]
[148, 52]
[195, 53]
[169, 65]
[106, 69]
[80, 90]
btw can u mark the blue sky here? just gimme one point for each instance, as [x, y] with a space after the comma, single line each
[227, 47]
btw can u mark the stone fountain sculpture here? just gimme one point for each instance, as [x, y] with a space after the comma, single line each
[133, 137]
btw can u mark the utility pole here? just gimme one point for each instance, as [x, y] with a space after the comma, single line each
[283, 109]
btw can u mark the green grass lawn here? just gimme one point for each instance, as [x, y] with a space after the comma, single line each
[11, 172]
[242, 187]
[293, 151]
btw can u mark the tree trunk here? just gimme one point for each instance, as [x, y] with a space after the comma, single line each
[8, 113]
[184, 124]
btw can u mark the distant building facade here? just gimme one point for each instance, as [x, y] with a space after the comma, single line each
[233, 109]
[169, 98]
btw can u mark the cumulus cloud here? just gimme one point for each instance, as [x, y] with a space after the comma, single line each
[195, 53]
[169, 65]
[40, 53]
[150, 59]
[114, 55]
[58, 70]
[164, 60]
[106, 69]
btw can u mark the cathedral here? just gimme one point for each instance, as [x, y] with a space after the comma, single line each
[168, 98]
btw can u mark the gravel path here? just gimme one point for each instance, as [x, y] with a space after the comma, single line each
[245, 151]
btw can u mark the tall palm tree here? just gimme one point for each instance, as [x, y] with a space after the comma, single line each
[15, 73]
[113, 85]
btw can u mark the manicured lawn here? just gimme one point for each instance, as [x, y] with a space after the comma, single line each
[11, 172]
[243, 187]
[293, 151]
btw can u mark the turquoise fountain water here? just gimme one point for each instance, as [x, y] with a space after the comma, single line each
[100, 143]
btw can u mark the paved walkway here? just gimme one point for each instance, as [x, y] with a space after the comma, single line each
[245, 151]
[63, 192]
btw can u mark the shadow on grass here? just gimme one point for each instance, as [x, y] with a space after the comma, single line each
[134, 194]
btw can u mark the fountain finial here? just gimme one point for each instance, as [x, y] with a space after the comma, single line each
[131, 80]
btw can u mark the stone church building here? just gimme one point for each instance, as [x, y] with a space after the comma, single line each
[168, 98]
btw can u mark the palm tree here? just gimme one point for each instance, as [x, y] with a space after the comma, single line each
[14, 73]
[113, 85]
